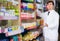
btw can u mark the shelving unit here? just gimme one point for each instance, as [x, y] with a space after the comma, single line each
[28, 14]
[10, 13]
[29, 20]
[16, 16]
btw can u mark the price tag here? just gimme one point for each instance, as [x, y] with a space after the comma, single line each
[30, 5]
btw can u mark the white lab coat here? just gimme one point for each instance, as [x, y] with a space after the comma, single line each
[50, 33]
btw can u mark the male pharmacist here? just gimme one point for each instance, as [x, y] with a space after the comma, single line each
[51, 23]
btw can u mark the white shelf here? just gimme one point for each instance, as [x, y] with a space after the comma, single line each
[29, 25]
[8, 17]
[13, 30]
[27, 16]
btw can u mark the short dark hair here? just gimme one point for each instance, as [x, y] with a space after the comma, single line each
[50, 2]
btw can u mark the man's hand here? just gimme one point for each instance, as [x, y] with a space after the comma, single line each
[46, 25]
[42, 26]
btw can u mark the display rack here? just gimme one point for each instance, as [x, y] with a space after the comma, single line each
[16, 16]
[28, 14]
[29, 20]
[10, 13]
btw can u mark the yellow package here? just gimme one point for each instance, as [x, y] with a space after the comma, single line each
[30, 5]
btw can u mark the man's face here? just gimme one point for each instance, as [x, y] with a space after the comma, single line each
[50, 6]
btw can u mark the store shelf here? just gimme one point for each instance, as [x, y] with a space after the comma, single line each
[13, 30]
[28, 25]
[8, 17]
[27, 16]
[32, 34]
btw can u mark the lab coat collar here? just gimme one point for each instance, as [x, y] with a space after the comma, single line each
[50, 10]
